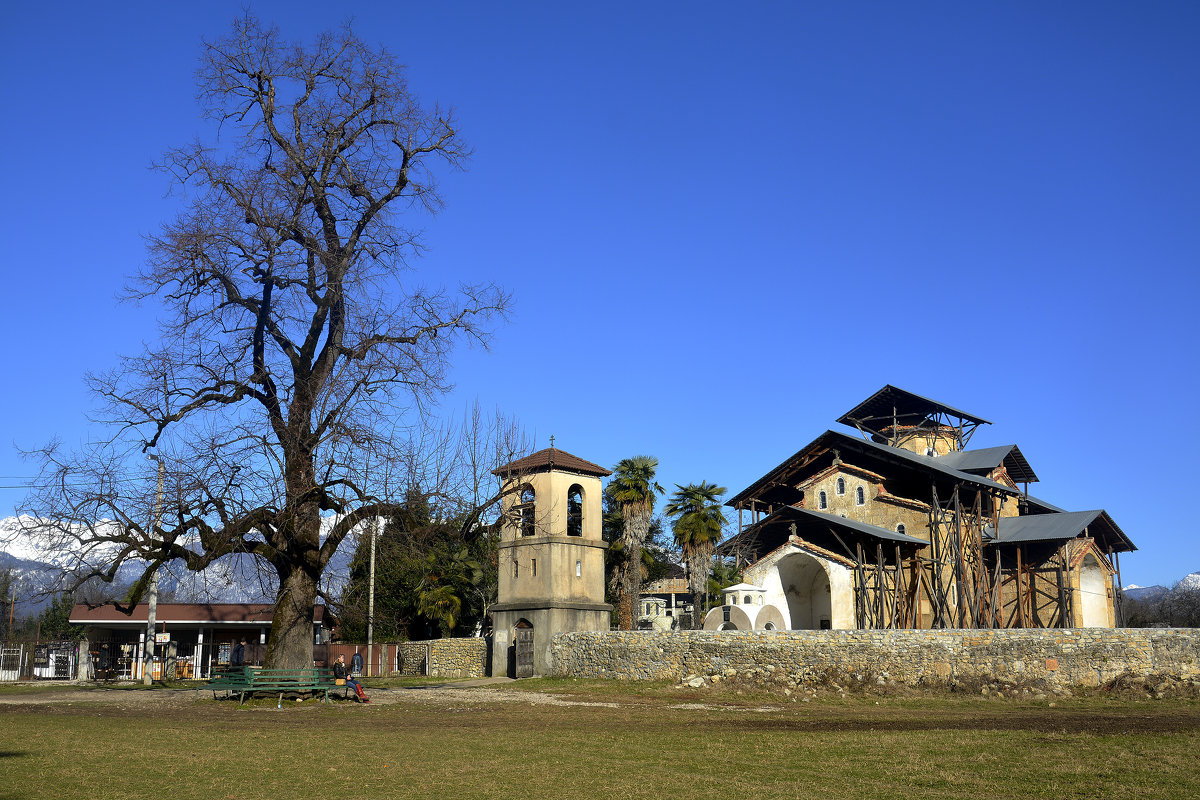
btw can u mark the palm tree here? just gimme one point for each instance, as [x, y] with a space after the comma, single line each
[632, 488]
[697, 525]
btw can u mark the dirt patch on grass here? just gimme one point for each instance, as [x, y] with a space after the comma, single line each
[741, 710]
[129, 698]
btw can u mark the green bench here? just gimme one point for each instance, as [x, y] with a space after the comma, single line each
[244, 681]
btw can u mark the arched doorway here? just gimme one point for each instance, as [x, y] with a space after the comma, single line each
[806, 588]
[1093, 606]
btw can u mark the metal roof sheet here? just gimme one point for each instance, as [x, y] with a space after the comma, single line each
[908, 408]
[1060, 526]
[845, 440]
[988, 458]
[806, 518]
[817, 518]
[1043, 505]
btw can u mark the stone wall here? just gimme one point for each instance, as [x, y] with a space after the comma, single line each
[447, 658]
[1059, 658]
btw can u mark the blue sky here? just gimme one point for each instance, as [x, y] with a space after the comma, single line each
[751, 216]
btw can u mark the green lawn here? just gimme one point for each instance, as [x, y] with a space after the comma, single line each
[861, 747]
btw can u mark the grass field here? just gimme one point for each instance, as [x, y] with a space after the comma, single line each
[617, 741]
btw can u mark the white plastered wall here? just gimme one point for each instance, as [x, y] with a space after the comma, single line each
[795, 582]
[1093, 600]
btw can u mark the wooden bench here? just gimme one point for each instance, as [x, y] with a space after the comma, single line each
[244, 681]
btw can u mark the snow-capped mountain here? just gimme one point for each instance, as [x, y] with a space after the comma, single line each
[1135, 592]
[234, 579]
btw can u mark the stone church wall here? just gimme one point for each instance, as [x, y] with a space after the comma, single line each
[1059, 658]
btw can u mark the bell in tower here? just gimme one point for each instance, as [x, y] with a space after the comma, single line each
[551, 559]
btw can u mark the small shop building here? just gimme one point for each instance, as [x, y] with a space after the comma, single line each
[191, 639]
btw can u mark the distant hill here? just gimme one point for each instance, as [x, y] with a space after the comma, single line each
[234, 579]
[1135, 592]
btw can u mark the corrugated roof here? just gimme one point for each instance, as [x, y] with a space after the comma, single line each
[817, 518]
[988, 458]
[837, 439]
[806, 521]
[1060, 526]
[1043, 506]
[909, 408]
[551, 458]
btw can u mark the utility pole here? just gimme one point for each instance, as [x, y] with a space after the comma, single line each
[371, 595]
[148, 659]
[12, 607]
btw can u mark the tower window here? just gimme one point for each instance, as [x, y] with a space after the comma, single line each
[822, 501]
[840, 486]
[578, 569]
[575, 511]
[516, 568]
[533, 563]
[860, 496]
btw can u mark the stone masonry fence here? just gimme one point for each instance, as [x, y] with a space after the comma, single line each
[1080, 657]
[444, 658]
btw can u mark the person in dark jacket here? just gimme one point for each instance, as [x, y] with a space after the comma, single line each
[342, 674]
[238, 657]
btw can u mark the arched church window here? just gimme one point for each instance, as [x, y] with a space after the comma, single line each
[840, 486]
[575, 510]
[822, 501]
[526, 509]
[746, 600]
[860, 496]
[900, 529]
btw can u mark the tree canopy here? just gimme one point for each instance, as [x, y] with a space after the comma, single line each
[633, 490]
[697, 524]
[431, 577]
[297, 352]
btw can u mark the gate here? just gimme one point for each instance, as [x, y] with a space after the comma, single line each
[524, 650]
[11, 659]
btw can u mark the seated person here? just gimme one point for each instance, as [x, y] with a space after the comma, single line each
[340, 673]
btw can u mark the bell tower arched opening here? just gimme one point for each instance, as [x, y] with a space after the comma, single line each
[575, 510]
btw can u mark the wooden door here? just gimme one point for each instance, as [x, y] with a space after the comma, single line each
[524, 653]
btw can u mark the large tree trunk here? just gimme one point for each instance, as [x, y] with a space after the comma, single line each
[290, 645]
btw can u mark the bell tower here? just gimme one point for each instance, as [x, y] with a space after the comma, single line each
[551, 559]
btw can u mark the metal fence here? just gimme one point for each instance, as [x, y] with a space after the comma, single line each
[35, 661]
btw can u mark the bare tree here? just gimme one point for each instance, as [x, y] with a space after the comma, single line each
[297, 353]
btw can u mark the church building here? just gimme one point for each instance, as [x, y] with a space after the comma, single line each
[900, 525]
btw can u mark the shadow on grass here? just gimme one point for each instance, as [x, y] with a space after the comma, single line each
[1038, 720]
